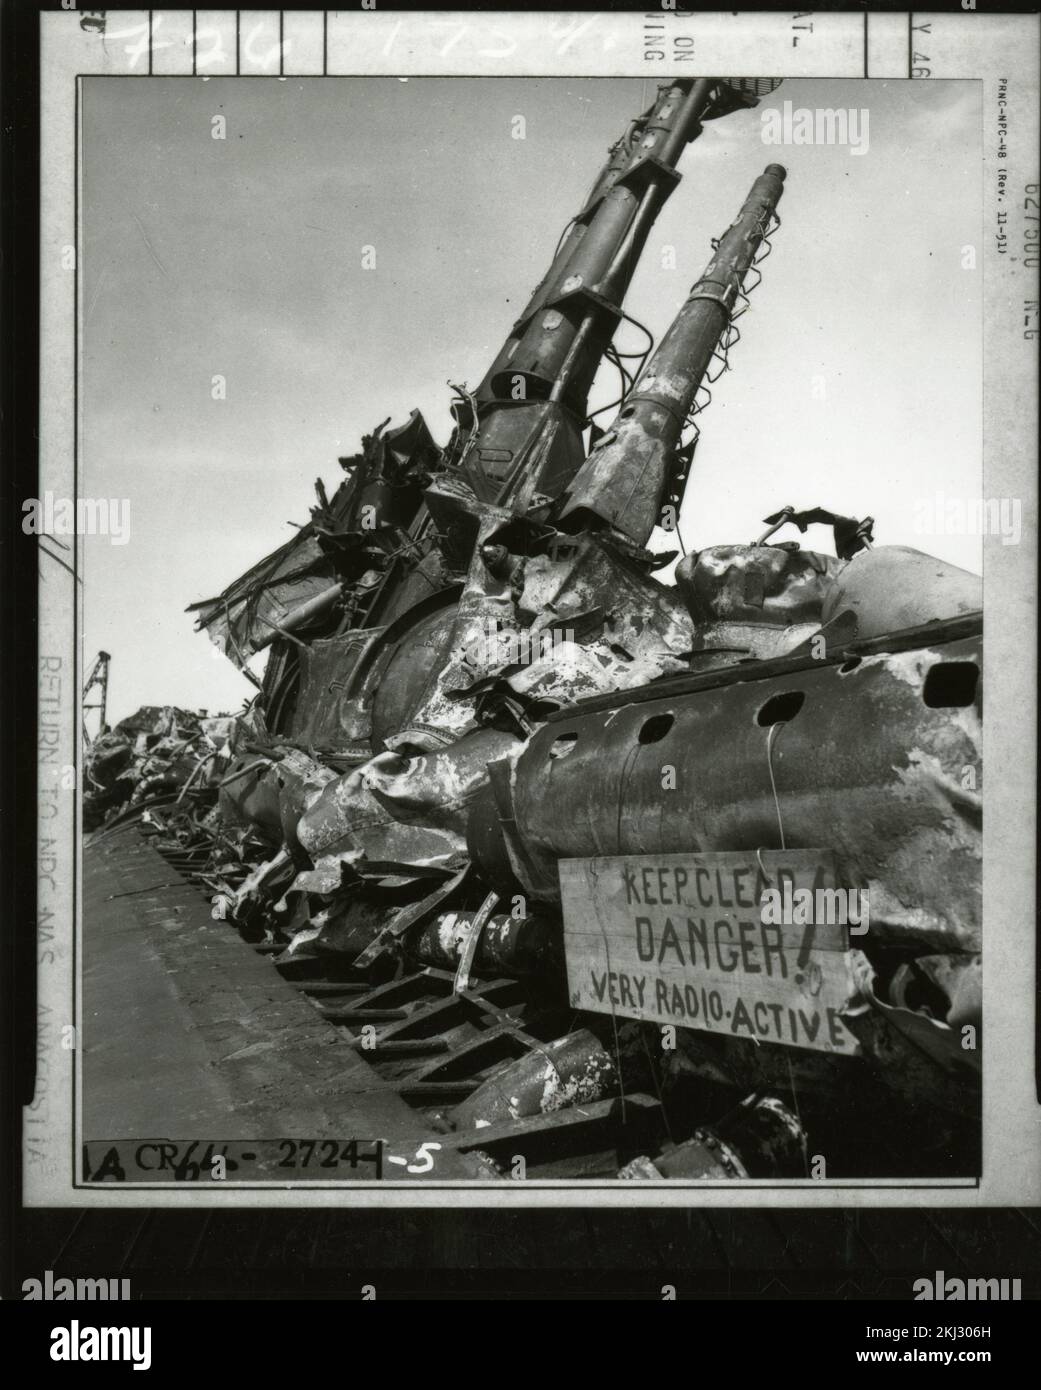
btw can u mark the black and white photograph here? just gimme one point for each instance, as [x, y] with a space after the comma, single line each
[591, 770]
[516, 520]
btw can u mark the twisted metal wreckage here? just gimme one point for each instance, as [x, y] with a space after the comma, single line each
[479, 696]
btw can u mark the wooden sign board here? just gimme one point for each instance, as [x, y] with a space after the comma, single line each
[684, 939]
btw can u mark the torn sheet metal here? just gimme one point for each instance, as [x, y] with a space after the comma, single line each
[754, 600]
[243, 619]
[346, 537]
[412, 810]
[325, 717]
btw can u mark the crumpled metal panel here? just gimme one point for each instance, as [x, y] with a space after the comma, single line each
[239, 621]
[629, 629]
[642, 617]
[959, 981]
[439, 718]
[347, 925]
[407, 447]
[573, 672]
[400, 810]
[250, 796]
[300, 781]
[387, 670]
[508, 604]
[862, 765]
[408, 681]
[273, 793]
[324, 716]
[218, 728]
[725, 644]
[242, 619]
[108, 756]
[765, 584]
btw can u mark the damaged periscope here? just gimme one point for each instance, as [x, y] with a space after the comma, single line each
[538, 846]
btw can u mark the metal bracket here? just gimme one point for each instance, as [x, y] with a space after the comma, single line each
[721, 297]
[466, 959]
[408, 917]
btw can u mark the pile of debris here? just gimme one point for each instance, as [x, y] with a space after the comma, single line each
[156, 757]
[475, 674]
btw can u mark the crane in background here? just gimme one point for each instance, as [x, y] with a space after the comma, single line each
[97, 677]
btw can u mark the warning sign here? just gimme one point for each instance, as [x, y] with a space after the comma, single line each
[684, 939]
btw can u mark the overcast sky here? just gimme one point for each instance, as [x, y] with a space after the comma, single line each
[242, 258]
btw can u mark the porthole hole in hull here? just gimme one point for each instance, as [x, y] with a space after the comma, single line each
[562, 745]
[655, 728]
[951, 684]
[780, 708]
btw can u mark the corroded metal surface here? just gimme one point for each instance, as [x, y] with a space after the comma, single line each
[765, 758]
[625, 480]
